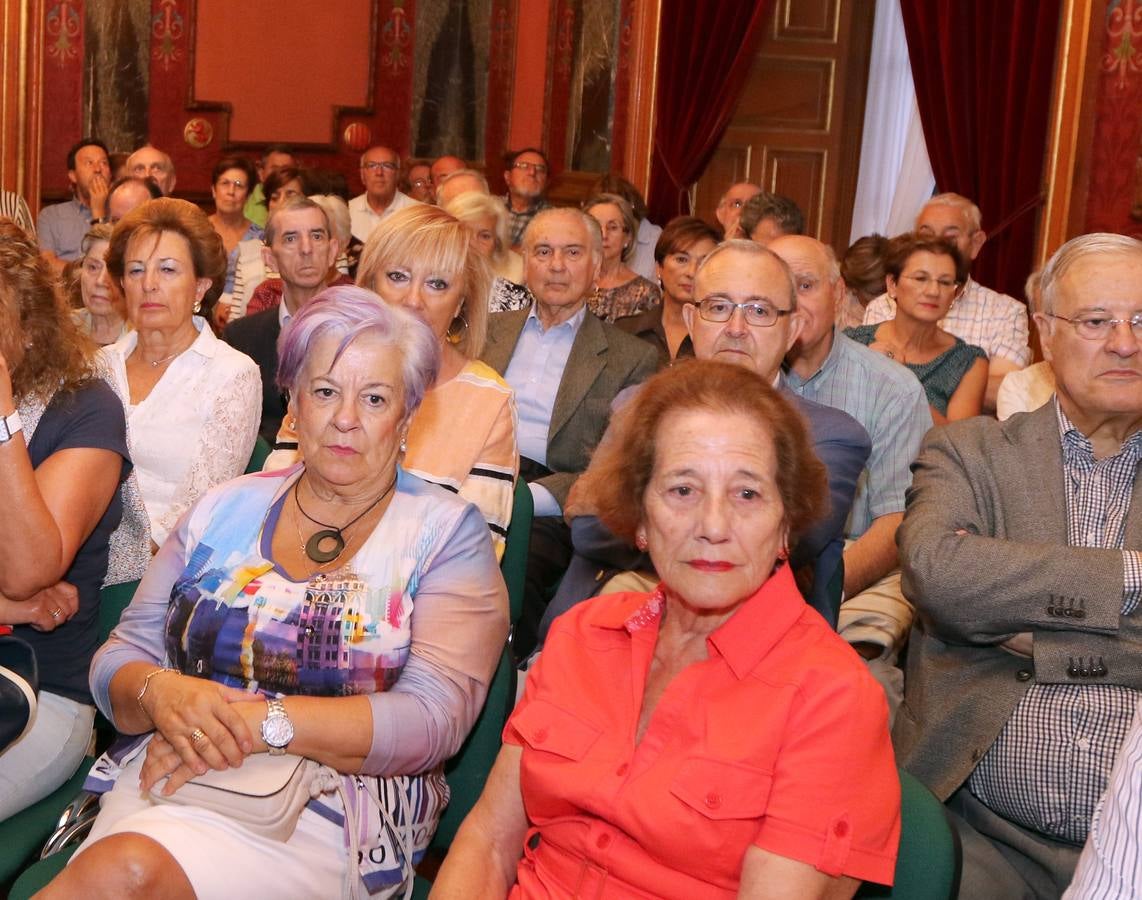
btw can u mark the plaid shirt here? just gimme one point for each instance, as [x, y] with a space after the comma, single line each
[990, 320]
[1050, 763]
[518, 221]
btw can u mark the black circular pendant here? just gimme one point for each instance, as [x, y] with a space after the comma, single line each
[313, 545]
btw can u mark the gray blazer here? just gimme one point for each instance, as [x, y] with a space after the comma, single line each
[603, 361]
[1001, 483]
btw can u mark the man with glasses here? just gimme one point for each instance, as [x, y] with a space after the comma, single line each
[829, 367]
[980, 316]
[380, 173]
[747, 315]
[525, 172]
[1022, 551]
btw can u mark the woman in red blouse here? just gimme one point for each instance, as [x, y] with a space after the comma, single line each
[714, 738]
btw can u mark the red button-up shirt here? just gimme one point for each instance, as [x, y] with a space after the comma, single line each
[778, 740]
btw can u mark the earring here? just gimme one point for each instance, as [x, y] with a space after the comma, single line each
[456, 334]
[404, 442]
[640, 541]
[197, 307]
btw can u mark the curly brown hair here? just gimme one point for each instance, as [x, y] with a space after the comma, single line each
[902, 247]
[622, 466]
[54, 354]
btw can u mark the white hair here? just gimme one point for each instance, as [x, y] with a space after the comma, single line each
[1099, 243]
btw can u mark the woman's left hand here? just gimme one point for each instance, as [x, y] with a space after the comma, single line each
[45, 610]
[162, 760]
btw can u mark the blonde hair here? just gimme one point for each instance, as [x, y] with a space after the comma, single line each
[428, 234]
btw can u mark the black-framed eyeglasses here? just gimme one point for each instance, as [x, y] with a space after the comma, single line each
[757, 312]
[1099, 328]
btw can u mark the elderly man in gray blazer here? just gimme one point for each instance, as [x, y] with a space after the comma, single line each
[565, 366]
[1021, 551]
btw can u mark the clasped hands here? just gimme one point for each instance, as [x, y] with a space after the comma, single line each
[199, 725]
[45, 610]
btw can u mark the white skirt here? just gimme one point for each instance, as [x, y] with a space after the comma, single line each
[222, 859]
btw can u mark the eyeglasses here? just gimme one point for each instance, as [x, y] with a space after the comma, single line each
[537, 168]
[1098, 328]
[721, 309]
[228, 183]
[946, 285]
[386, 165]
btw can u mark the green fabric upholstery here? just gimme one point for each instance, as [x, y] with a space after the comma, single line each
[258, 457]
[928, 864]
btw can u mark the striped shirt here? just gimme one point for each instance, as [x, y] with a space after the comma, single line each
[1050, 763]
[979, 316]
[1110, 867]
[889, 402]
[12, 206]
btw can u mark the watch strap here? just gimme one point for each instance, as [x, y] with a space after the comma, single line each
[9, 425]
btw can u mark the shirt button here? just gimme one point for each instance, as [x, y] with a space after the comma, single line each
[1023, 675]
[1083, 743]
[540, 736]
[713, 800]
[622, 770]
[603, 841]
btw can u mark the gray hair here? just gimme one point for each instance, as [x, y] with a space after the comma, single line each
[750, 248]
[292, 204]
[594, 232]
[1095, 244]
[337, 214]
[471, 173]
[960, 202]
[346, 312]
[626, 212]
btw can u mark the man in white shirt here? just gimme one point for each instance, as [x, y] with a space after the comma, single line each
[990, 320]
[380, 172]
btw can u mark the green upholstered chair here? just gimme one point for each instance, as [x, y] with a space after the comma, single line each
[258, 456]
[928, 863]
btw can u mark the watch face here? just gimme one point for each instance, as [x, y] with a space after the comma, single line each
[277, 731]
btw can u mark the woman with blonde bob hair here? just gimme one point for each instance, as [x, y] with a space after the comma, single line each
[464, 434]
[487, 219]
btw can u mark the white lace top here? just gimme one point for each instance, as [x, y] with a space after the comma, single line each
[195, 429]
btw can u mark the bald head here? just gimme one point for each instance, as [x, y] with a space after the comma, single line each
[817, 278]
[152, 162]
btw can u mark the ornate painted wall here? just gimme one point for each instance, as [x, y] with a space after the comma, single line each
[332, 80]
[1114, 198]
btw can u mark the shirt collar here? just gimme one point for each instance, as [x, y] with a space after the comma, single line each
[573, 323]
[1077, 448]
[745, 638]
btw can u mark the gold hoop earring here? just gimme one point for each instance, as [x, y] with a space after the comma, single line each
[455, 334]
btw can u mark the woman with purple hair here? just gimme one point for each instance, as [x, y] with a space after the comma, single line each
[341, 612]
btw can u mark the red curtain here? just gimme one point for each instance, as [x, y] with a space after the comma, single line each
[983, 71]
[704, 54]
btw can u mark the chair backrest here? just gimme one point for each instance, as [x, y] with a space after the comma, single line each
[113, 599]
[468, 770]
[258, 457]
[928, 862]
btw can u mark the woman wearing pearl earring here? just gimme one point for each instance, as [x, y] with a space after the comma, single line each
[193, 402]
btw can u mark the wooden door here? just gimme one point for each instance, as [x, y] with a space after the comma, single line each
[797, 128]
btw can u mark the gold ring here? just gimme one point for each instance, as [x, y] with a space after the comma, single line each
[198, 736]
[55, 613]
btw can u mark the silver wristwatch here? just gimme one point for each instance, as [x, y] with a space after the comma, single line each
[9, 425]
[277, 729]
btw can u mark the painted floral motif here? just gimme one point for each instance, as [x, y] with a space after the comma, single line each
[1123, 29]
[62, 27]
[167, 30]
[396, 35]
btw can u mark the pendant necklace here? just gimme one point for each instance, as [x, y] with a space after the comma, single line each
[313, 548]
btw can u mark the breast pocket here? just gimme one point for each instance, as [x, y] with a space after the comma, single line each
[723, 804]
[548, 728]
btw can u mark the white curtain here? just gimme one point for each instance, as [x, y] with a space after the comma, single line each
[895, 174]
